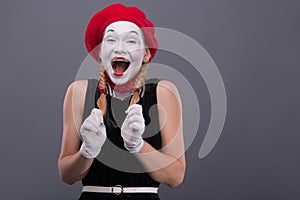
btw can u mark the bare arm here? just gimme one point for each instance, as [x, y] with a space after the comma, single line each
[167, 166]
[71, 164]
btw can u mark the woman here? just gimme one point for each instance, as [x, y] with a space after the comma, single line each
[117, 110]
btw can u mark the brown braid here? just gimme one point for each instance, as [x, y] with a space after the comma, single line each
[140, 79]
[101, 102]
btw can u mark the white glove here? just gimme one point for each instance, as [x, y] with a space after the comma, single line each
[132, 129]
[93, 133]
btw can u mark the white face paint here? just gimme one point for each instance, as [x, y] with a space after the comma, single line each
[122, 51]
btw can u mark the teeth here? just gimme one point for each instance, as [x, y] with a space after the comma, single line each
[121, 60]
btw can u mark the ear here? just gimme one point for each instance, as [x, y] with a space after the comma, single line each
[99, 55]
[99, 59]
[147, 56]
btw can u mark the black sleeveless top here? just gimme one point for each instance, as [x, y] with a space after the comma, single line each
[114, 165]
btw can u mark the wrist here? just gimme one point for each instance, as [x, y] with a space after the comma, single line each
[134, 148]
[85, 153]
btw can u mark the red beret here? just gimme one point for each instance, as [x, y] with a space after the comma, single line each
[117, 12]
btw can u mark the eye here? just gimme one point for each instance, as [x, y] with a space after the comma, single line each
[132, 41]
[110, 40]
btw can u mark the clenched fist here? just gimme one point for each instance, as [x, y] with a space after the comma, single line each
[133, 128]
[93, 133]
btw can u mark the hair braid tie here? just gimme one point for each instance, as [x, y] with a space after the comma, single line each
[135, 97]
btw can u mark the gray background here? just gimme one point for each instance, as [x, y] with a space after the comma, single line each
[255, 44]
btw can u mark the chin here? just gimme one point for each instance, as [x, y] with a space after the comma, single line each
[118, 81]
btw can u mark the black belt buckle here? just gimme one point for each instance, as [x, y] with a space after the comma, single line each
[118, 189]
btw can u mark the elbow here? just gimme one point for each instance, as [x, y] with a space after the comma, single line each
[63, 176]
[67, 181]
[178, 178]
[66, 178]
[175, 183]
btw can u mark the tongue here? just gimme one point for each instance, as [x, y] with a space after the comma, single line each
[120, 68]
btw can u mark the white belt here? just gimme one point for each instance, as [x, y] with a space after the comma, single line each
[118, 189]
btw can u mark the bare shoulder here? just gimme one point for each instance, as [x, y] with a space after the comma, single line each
[78, 86]
[169, 109]
[75, 99]
[76, 90]
[167, 89]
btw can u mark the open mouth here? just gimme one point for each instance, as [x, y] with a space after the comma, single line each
[119, 66]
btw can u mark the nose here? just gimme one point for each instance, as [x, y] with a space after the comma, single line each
[120, 48]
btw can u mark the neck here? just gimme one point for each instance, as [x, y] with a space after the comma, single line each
[122, 91]
[121, 95]
[127, 87]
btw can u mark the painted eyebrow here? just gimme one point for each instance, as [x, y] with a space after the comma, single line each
[133, 32]
[110, 30]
